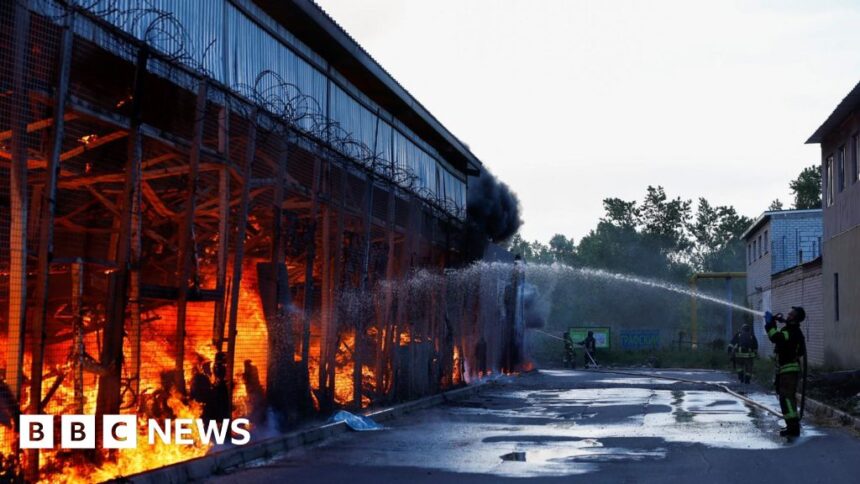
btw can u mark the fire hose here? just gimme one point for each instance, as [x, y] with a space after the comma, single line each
[719, 386]
[587, 353]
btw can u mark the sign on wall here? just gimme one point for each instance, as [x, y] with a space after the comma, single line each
[639, 339]
[601, 335]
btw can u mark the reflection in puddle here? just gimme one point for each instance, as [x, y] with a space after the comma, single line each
[567, 442]
[565, 458]
[536, 432]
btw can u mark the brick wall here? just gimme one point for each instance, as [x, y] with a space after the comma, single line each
[802, 286]
[796, 239]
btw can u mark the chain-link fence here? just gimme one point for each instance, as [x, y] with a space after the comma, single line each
[173, 247]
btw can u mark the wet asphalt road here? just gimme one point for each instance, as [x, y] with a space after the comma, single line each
[578, 426]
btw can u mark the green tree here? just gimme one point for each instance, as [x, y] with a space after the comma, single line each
[807, 188]
[519, 246]
[658, 238]
[775, 206]
[620, 213]
[563, 249]
[647, 239]
[541, 253]
[716, 234]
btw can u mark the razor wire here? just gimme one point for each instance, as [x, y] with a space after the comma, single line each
[291, 110]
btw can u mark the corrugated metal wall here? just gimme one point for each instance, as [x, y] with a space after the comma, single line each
[220, 39]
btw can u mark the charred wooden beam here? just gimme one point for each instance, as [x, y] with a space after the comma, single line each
[79, 181]
[364, 286]
[46, 219]
[18, 221]
[186, 229]
[388, 331]
[326, 330]
[337, 284]
[18, 212]
[78, 333]
[220, 316]
[38, 125]
[239, 250]
[33, 164]
[109, 398]
[107, 204]
[283, 383]
[155, 201]
[406, 299]
[309, 269]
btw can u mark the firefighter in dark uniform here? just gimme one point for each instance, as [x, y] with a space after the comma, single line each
[569, 353]
[590, 345]
[744, 351]
[789, 346]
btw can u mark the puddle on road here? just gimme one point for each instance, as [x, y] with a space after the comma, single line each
[562, 447]
[559, 432]
[636, 381]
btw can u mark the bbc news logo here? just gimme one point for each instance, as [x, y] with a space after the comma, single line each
[120, 431]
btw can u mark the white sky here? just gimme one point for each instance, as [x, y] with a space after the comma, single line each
[572, 101]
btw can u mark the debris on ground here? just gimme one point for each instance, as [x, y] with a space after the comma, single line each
[359, 423]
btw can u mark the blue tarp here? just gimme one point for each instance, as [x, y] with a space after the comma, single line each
[358, 423]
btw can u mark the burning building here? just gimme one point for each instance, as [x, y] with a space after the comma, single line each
[220, 209]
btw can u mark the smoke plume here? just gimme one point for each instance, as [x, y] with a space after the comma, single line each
[493, 211]
[536, 306]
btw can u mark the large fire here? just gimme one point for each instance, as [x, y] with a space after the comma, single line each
[156, 394]
[157, 361]
[154, 209]
[130, 461]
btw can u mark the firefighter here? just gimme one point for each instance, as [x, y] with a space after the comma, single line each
[744, 352]
[590, 345]
[569, 353]
[789, 346]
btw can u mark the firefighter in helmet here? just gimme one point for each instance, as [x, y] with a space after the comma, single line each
[569, 353]
[744, 348]
[789, 346]
[589, 344]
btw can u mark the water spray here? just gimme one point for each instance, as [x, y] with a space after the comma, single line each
[668, 286]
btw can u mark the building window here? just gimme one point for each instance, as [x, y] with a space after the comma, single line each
[759, 246]
[749, 254]
[766, 245]
[836, 296]
[828, 180]
[754, 250]
[840, 169]
[855, 166]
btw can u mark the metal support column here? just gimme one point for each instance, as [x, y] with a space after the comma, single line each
[186, 231]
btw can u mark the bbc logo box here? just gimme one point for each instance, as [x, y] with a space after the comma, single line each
[78, 432]
[121, 431]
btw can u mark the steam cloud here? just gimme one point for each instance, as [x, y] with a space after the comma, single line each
[535, 306]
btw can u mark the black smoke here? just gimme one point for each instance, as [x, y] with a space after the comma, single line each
[535, 307]
[493, 212]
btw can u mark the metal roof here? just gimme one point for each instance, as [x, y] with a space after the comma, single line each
[314, 27]
[846, 107]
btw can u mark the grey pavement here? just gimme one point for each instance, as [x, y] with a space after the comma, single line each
[578, 426]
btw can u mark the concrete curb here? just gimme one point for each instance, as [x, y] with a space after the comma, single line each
[202, 467]
[822, 410]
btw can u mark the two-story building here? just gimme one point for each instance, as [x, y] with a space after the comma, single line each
[839, 137]
[782, 248]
